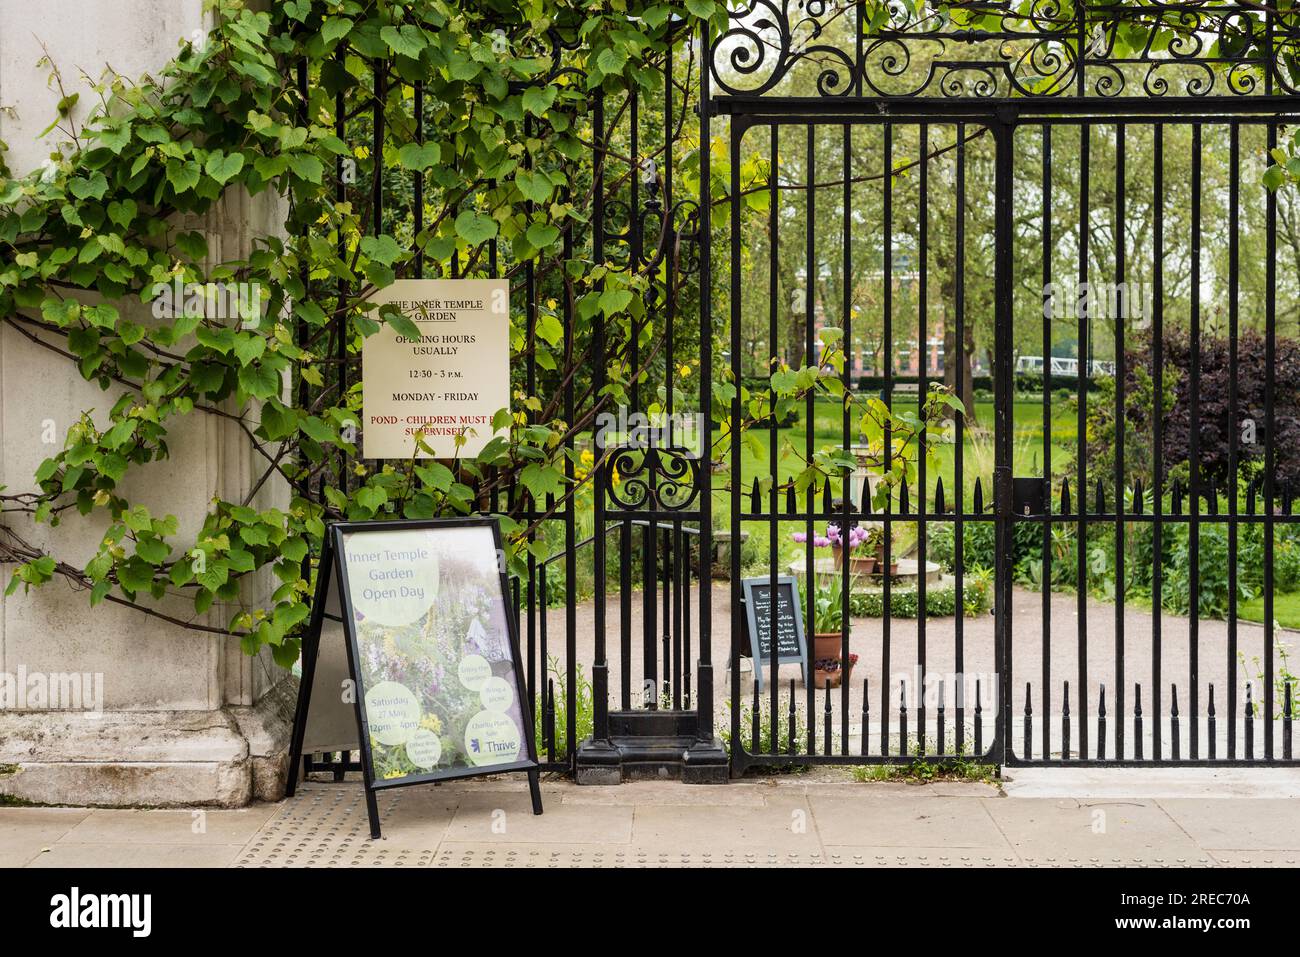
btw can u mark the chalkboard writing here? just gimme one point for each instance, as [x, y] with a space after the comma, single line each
[790, 644]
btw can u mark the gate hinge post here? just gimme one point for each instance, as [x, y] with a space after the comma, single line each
[1003, 491]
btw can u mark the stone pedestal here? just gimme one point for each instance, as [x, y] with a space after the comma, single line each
[186, 718]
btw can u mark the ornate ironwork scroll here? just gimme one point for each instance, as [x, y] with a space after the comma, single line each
[1035, 48]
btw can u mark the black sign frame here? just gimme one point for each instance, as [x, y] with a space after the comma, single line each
[747, 586]
[333, 571]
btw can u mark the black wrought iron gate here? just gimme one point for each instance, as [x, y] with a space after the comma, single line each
[964, 702]
[1072, 240]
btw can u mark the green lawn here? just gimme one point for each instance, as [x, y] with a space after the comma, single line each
[1286, 609]
[977, 449]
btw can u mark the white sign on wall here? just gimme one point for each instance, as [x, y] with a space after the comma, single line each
[449, 382]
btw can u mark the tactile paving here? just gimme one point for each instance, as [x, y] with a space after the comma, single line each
[326, 826]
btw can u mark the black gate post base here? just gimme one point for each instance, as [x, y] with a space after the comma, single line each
[598, 762]
[705, 762]
[651, 746]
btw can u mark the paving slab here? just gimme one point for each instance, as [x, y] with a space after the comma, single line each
[25, 832]
[899, 822]
[1151, 783]
[1264, 824]
[892, 789]
[198, 826]
[69, 854]
[667, 794]
[782, 826]
[507, 817]
[1080, 830]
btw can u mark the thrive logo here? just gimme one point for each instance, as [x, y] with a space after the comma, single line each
[75, 910]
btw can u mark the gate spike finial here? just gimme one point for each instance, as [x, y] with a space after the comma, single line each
[1175, 729]
[1286, 718]
[1065, 496]
[1101, 726]
[1250, 722]
[1065, 723]
[979, 497]
[1209, 721]
[1137, 720]
[938, 496]
[866, 716]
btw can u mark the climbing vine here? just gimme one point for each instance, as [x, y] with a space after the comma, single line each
[108, 223]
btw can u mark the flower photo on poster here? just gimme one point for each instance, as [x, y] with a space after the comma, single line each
[438, 683]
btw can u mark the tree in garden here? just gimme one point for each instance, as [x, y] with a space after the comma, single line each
[1216, 430]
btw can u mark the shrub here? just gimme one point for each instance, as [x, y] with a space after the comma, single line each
[1286, 566]
[978, 545]
[1214, 428]
[940, 602]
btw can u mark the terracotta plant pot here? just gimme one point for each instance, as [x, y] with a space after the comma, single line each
[826, 645]
[858, 564]
[833, 677]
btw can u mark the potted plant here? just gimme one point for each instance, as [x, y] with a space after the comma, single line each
[827, 671]
[827, 620]
[874, 542]
[862, 560]
[865, 547]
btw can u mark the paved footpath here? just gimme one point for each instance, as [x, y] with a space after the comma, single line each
[1052, 818]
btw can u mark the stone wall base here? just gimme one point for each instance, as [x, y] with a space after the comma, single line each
[223, 758]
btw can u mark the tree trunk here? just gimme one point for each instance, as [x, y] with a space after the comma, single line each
[958, 373]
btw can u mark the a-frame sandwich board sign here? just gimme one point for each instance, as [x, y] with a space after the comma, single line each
[411, 657]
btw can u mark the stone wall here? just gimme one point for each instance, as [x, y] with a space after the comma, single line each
[187, 718]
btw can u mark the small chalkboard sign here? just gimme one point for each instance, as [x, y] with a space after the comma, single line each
[791, 647]
[425, 657]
